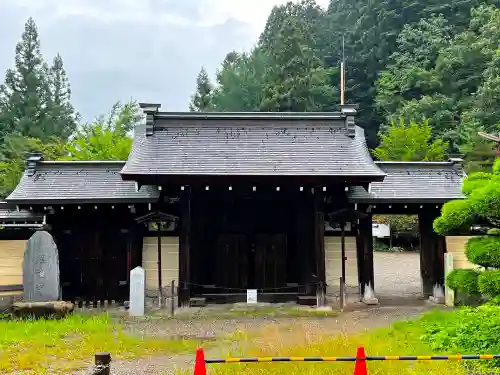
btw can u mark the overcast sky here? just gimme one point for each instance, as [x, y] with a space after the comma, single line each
[147, 50]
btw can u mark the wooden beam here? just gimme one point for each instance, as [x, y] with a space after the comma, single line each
[185, 248]
[11, 288]
[319, 238]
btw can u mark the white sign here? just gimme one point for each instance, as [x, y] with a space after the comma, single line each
[381, 230]
[137, 291]
[251, 296]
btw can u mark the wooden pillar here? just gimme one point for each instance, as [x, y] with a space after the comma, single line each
[319, 238]
[185, 248]
[303, 230]
[432, 249]
[364, 249]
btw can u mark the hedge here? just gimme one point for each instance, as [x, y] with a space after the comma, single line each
[489, 283]
[464, 280]
[484, 251]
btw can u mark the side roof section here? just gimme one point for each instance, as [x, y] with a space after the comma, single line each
[250, 144]
[10, 215]
[413, 182]
[46, 182]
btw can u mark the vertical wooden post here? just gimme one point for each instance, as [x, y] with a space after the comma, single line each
[185, 248]
[432, 249]
[102, 364]
[172, 295]
[319, 240]
[160, 292]
[364, 245]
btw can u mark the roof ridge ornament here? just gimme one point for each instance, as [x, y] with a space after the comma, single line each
[457, 164]
[350, 110]
[32, 160]
[149, 110]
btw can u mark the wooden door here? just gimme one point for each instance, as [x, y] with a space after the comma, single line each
[270, 262]
[232, 263]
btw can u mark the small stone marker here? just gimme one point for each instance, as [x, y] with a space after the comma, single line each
[137, 291]
[41, 269]
[251, 296]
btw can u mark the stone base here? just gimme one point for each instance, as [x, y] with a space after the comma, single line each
[55, 309]
[437, 300]
[370, 301]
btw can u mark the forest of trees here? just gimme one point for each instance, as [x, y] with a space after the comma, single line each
[425, 75]
[36, 114]
[431, 62]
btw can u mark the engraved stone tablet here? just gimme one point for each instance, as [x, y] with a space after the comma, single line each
[41, 269]
[137, 291]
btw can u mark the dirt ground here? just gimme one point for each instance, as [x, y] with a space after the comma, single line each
[212, 328]
[397, 283]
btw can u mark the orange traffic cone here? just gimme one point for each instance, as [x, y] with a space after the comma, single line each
[360, 367]
[200, 367]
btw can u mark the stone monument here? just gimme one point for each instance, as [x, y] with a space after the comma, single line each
[137, 291]
[41, 269]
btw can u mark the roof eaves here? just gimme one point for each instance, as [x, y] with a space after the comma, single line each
[251, 115]
[100, 200]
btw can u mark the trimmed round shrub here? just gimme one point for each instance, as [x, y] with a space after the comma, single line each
[484, 250]
[463, 280]
[456, 216]
[489, 283]
[485, 201]
[494, 232]
[474, 181]
[496, 167]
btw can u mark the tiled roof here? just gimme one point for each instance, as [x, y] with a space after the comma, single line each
[250, 145]
[9, 214]
[78, 182]
[413, 182]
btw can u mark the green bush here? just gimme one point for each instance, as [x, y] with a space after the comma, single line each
[463, 280]
[474, 181]
[380, 246]
[485, 201]
[456, 216]
[494, 232]
[466, 331]
[489, 283]
[484, 250]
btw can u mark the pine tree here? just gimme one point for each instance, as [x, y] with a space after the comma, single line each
[24, 95]
[201, 101]
[62, 116]
[298, 81]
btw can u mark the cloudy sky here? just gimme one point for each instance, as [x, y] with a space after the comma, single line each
[147, 50]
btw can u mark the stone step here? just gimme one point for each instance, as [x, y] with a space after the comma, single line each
[197, 302]
[307, 300]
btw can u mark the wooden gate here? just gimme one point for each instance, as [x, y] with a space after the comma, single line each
[270, 262]
[232, 262]
[94, 264]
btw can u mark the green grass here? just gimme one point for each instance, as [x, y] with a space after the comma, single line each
[403, 338]
[57, 346]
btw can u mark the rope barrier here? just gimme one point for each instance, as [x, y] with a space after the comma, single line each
[360, 360]
[353, 359]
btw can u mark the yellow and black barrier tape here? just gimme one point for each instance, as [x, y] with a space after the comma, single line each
[354, 359]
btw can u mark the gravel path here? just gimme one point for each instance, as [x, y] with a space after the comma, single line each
[397, 282]
[397, 274]
[348, 322]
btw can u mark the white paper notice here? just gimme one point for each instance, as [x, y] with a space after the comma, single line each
[251, 296]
